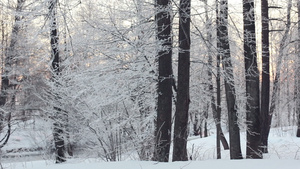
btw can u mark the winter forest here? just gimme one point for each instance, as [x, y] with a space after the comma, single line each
[138, 79]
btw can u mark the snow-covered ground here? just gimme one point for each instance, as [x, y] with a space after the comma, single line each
[207, 164]
[284, 152]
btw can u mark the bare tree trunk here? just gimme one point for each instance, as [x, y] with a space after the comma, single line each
[183, 95]
[216, 111]
[252, 82]
[224, 51]
[196, 126]
[216, 107]
[265, 85]
[165, 80]
[205, 122]
[58, 131]
[68, 145]
[288, 97]
[297, 76]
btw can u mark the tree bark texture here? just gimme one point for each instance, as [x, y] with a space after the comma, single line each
[183, 96]
[252, 82]
[265, 84]
[165, 79]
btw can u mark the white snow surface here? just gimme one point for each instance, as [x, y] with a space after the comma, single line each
[207, 164]
[284, 153]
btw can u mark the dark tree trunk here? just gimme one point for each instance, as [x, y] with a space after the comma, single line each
[252, 82]
[200, 129]
[183, 98]
[68, 145]
[216, 109]
[58, 117]
[216, 112]
[59, 142]
[196, 127]
[224, 51]
[298, 77]
[205, 123]
[165, 79]
[265, 84]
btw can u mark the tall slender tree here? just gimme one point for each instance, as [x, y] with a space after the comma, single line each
[215, 106]
[58, 114]
[252, 82]
[224, 51]
[165, 80]
[265, 84]
[297, 77]
[183, 95]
